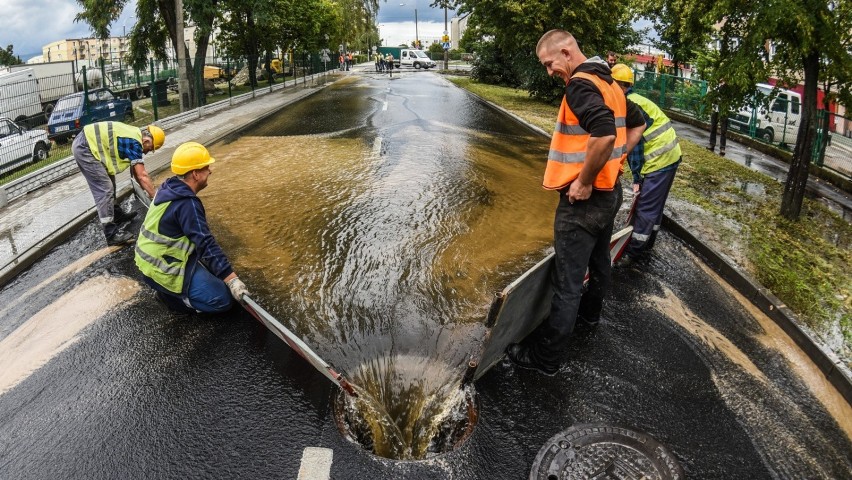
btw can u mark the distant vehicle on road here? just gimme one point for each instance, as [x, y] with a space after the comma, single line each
[408, 57]
[19, 146]
[73, 112]
[774, 122]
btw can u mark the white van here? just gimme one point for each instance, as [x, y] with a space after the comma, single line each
[415, 58]
[778, 124]
[19, 97]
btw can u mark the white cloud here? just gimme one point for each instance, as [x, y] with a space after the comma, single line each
[403, 32]
[29, 25]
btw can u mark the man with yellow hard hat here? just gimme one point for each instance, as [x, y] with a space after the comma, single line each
[103, 150]
[654, 162]
[176, 251]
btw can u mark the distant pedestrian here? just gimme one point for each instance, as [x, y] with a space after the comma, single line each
[611, 58]
[376, 60]
[654, 162]
[389, 62]
[103, 150]
[718, 119]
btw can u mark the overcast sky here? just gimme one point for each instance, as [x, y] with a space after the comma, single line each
[29, 25]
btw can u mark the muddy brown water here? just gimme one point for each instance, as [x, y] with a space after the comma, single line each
[383, 244]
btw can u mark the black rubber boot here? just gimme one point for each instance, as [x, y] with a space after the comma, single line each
[120, 216]
[521, 355]
[115, 236]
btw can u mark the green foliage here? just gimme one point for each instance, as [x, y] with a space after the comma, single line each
[512, 29]
[7, 57]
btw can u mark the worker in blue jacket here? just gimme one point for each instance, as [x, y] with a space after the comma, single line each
[176, 251]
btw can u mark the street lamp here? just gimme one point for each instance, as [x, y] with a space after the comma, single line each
[416, 34]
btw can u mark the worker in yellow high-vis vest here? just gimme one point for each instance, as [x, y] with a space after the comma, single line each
[595, 128]
[176, 251]
[654, 162]
[103, 150]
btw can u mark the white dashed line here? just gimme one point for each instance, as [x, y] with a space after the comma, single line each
[316, 464]
[377, 146]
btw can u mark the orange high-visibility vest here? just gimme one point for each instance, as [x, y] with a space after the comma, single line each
[568, 145]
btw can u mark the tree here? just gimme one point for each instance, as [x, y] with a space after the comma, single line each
[808, 35]
[509, 32]
[156, 24]
[7, 57]
[681, 25]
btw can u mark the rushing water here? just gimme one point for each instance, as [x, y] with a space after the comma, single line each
[382, 238]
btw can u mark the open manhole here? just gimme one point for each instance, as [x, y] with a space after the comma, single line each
[599, 451]
[402, 417]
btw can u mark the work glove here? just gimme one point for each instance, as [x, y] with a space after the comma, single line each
[237, 288]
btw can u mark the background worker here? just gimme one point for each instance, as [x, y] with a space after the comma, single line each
[654, 164]
[595, 128]
[718, 119]
[105, 149]
[611, 59]
[176, 251]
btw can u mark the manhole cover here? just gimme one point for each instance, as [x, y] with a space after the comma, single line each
[598, 451]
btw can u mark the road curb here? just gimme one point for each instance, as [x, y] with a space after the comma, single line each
[35, 252]
[829, 364]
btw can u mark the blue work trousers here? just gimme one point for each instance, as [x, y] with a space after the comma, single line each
[648, 215]
[582, 233]
[206, 294]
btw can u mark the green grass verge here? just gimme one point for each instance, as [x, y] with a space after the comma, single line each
[807, 264]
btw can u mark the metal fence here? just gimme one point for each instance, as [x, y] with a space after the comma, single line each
[772, 117]
[40, 113]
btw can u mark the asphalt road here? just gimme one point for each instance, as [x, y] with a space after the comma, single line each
[101, 381]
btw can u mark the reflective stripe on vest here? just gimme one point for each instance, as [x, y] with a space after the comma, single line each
[103, 142]
[569, 142]
[661, 146]
[152, 249]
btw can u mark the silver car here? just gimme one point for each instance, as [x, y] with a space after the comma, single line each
[19, 146]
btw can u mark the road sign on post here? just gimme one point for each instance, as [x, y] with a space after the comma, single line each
[446, 45]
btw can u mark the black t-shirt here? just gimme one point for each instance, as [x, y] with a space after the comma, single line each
[587, 103]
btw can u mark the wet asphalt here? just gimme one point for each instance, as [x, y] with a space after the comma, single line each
[144, 393]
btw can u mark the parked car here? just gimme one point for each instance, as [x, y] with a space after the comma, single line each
[19, 146]
[75, 111]
[779, 123]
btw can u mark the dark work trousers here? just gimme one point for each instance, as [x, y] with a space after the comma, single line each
[101, 183]
[714, 123]
[582, 233]
[648, 215]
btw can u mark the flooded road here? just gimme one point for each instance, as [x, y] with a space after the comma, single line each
[381, 235]
[385, 260]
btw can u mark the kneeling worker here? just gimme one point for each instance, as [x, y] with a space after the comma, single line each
[103, 150]
[175, 251]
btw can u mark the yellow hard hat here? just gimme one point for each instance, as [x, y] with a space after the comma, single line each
[622, 73]
[157, 134]
[190, 156]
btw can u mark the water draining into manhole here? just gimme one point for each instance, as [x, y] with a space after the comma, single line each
[406, 417]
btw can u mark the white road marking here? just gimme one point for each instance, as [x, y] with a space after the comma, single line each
[316, 464]
[377, 147]
[385, 106]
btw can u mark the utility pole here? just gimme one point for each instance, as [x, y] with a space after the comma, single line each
[183, 81]
[446, 51]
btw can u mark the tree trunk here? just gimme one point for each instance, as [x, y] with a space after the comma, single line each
[167, 10]
[797, 177]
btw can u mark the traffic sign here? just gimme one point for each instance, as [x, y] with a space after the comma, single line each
[446, 45]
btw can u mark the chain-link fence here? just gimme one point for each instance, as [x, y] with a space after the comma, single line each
[41, 112]
[773, 117]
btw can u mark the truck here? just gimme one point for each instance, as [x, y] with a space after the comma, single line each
[773, 115]
[55, 80]
[19, 97]
[409, 57]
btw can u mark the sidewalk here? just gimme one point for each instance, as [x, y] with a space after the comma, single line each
[34, 223]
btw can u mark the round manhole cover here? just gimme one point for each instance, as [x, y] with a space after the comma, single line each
[598, 451]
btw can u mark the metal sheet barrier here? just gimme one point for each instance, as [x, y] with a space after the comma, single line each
[524, 304]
